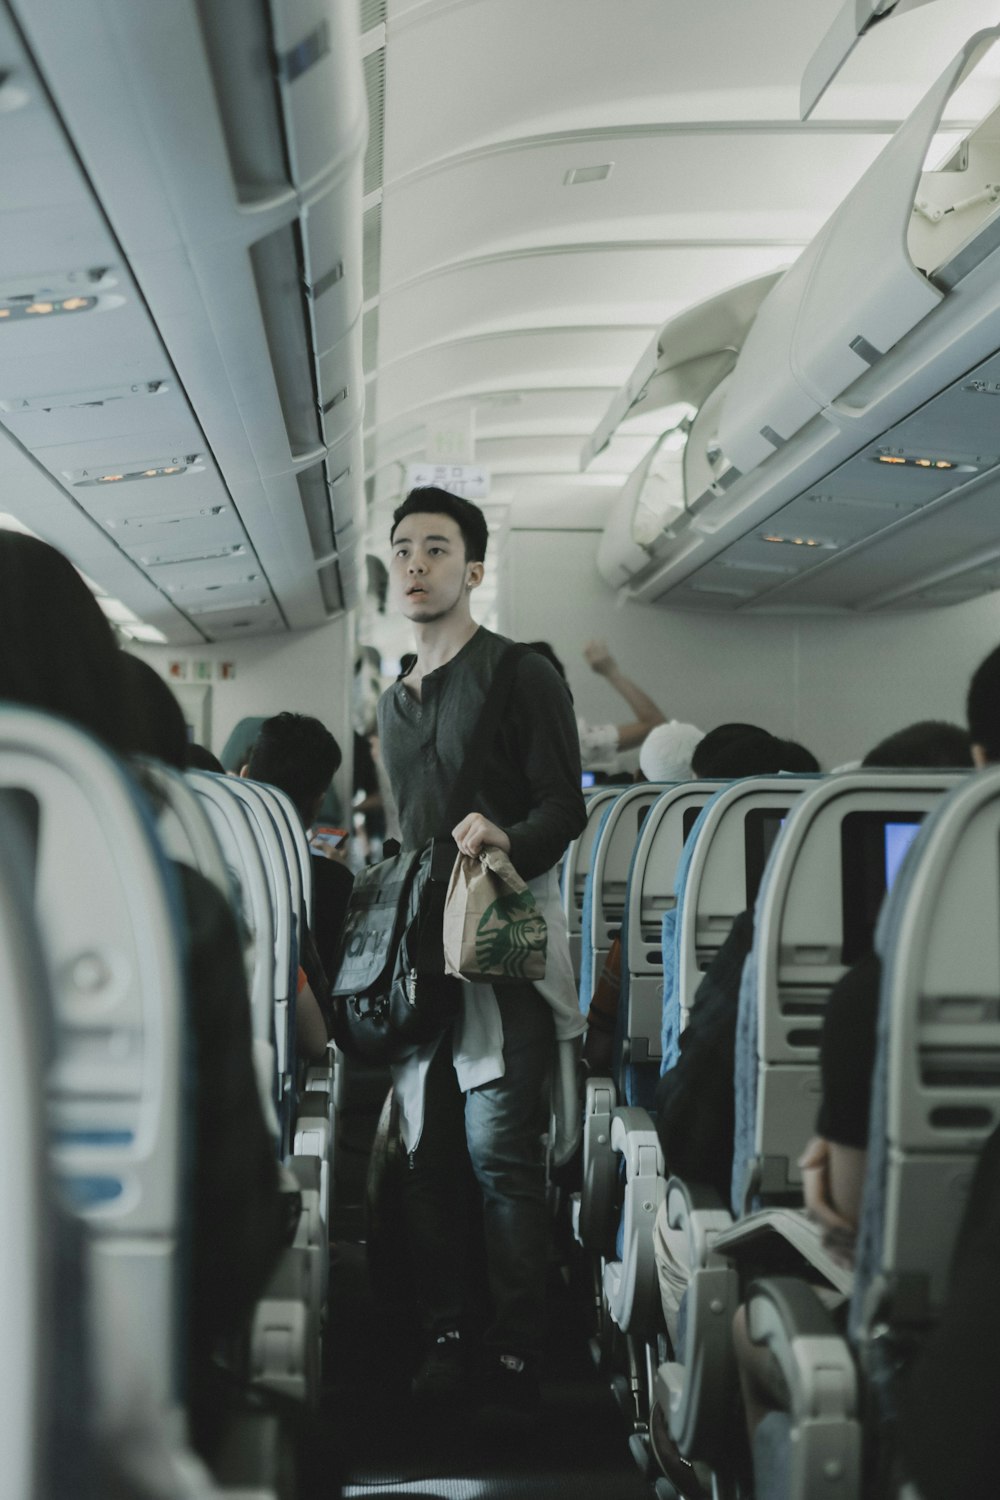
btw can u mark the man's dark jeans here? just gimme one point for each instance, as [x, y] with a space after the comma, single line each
[490, 1137]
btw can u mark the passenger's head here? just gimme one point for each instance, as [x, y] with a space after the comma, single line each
[298, 755]
[931, 742]
[154, 723]
[200, 758]
[753, 752]
[983, 710]
[430, 501]
[57, 650]
[715, 741]
[667, 751]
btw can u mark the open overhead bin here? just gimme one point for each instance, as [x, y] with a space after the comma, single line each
[823, 444]
[215, 149]
[691, 358]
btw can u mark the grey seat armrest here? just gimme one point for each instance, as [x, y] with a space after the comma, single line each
[697, 1394]
[630, 1284]
[599, 1165]
[824, 1451]
[701, 1213]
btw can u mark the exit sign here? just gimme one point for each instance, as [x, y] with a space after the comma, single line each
[471, 481]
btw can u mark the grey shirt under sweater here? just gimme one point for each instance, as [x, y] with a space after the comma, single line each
[530, 783]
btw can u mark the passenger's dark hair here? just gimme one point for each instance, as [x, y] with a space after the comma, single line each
[200, 758]
[715, 741]
[931, 742]
[544, 649]
[57, 650]
[982, 708]
[434, 502]
[298, 755]
[757, 753]
[154, 723]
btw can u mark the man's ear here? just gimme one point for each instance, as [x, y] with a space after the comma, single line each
[245, 772]
[979, 758]
[474, 574]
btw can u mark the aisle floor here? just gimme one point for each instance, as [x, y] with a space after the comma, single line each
[579, 1448]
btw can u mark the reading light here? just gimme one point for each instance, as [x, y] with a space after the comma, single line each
[796, 541]
[15, 309]
[923, 463]
[157, 471]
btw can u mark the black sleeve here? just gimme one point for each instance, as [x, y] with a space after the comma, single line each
[548, 755]
[695, 1104]
[847, 1054]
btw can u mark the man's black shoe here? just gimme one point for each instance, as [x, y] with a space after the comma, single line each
[442, 1380]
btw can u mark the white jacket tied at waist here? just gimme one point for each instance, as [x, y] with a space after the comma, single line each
[477, 1038]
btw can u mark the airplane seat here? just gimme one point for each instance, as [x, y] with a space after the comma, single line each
[108, 906]
[935, 1100]
[246, 867]
[286, 1333]
[590, 900]
[576, 863]
[44, 1414]
[815, 909]
[658, 850]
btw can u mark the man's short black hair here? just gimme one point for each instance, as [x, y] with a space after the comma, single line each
[982, 707]
[931, 742]
[469, 519]
[298, 755]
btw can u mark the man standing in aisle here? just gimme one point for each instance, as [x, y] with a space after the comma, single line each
[472, 1106]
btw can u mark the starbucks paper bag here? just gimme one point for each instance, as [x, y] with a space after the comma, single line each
[493, 929]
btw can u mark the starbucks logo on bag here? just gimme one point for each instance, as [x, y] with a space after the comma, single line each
[510, 933]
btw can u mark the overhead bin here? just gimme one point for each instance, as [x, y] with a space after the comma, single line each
[816, 473]
[231, 180]
[690, 358]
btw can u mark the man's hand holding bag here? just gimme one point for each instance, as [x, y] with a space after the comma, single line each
[493, 930]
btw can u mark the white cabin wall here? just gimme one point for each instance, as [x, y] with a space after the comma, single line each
[305, 671]
[837, 684]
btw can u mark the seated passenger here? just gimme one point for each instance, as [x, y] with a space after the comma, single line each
[300, 756]
[240, 1219]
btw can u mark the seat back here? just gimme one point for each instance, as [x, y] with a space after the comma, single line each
[728, 851]
[576, 865]
[241, 851]
[815, 916]
[611, 863]
[26, 1293]
[185, 828]
[300, 843]
[651, 893]
[936, 1092]
[108, 908]
[287, 823]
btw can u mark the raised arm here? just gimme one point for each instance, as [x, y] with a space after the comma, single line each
[600, 660]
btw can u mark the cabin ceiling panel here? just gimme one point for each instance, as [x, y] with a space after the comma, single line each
[477, 70]
[538, 358]
[480, 70]
[711, 188]
[556, 455]
[572, 284]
